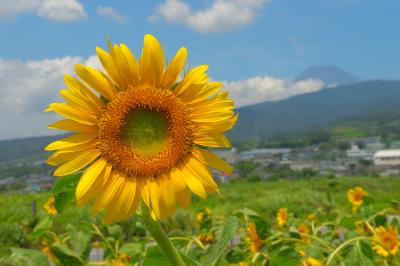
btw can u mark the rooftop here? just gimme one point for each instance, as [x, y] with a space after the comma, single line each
[387, 153]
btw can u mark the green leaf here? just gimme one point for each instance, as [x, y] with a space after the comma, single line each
[66, 183]
[132, 249]
[65, 255]
[62, 199]
[21, 256]
[42, 227]
[286, 255]
[156, 257]
[356, 256]
[217, 249]
[64, 191]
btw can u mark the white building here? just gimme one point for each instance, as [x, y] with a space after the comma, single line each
[356, 153]
[387, 158]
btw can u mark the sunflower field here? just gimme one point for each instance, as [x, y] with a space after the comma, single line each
[319, 221]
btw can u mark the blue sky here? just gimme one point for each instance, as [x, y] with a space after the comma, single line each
[258, 44]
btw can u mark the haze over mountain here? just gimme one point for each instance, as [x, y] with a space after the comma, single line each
[330, 75]
[317, 108]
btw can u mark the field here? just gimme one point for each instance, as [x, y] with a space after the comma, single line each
[319, 220]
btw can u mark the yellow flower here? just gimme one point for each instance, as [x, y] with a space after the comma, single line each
[142, 134]
[312, 217]
[304, 230]
[385, 241]
[356, 197]
[310, 261]
[200, 217]
[48, 251]
[253, 238]
[206, 238]
[282, 217]
[242, 263]
[49, 206]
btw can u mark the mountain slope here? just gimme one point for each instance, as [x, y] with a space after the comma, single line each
[328, 74]
[318, 108]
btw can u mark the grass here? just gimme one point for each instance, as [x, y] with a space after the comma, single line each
[302, 197]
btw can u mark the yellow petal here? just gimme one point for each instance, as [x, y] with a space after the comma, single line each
[97, 80]
[196, 76]
[71, 125]
[75, 98]
[204, 94]
[136, 200]
[174, 69]
[109, 65]
[154, 198]
[129, 196]
[134, 76]
[58, 157]
[201, 172]
[151, 62]
[70, 141]
[78, 86]
[212, 116]
[212, 141]
[90, 182]
[216, 127]
[108, 192]
[182, 195]
[193, 184]
[74, 113]
[77, 163]
[208, 158]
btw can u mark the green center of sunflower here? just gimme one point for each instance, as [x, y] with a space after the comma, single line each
[146, 130]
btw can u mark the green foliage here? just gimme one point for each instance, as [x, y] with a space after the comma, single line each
[64, 190]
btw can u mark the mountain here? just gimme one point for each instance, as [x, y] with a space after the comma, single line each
[331, 75]
[360, 109]
[316, 109]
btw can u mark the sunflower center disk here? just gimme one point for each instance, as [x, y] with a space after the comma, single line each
[146, 131]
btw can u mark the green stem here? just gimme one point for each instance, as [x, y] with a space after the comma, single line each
[333, 254]
[160, 237]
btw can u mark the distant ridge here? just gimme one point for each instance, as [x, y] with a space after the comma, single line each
[331, 75]
[316, 109]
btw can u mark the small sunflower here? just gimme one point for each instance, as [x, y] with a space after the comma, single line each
[385, 241]
[356, 197]
[282, 216]
[310, 261]
[255, 243]
[49, 206]
[141, 133]
[304, 230]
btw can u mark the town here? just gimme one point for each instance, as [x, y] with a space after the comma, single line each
[367, 156]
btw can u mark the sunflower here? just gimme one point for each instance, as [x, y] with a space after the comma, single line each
[385, 241]
[356, 197]
[310, 261]
[304, 230]
[49, 206]
[255, 243]
[139, 133]
[282, 216]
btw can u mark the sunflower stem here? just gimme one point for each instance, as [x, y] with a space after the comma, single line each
[160, 236]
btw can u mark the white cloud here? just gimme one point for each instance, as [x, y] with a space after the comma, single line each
[222, 15]
[110, 13]
[27, 88]
[53, 10]
[265, 88]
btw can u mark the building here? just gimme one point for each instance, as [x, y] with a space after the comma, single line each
[355, 153]
[264, 154]
[387, 158]
[299, 165]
